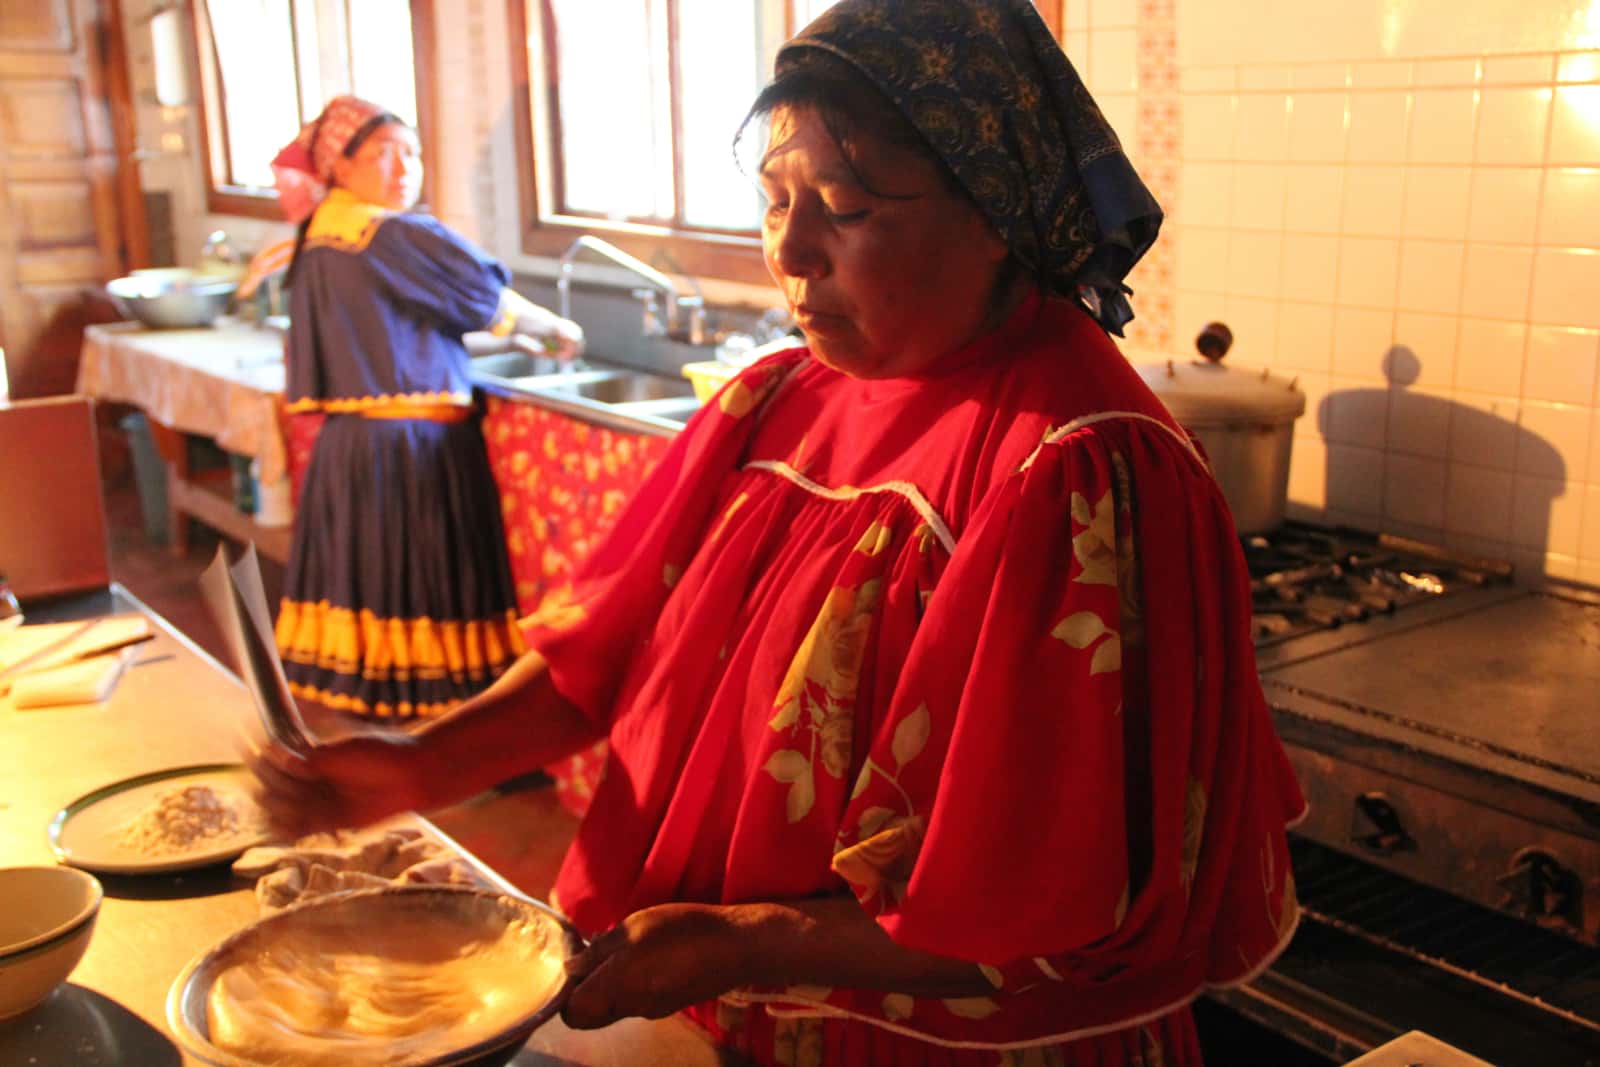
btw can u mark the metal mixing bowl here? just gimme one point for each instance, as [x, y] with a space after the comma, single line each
[437, 924]
[172, 299]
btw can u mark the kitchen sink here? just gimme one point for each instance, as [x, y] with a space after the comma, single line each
[622, 397]
[507, 365]
[610, 386]
[676, 408]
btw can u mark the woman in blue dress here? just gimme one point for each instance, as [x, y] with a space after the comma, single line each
[398, 601]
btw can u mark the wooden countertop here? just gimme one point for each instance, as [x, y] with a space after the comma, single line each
[177, 706]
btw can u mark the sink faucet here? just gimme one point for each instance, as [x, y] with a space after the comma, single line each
[667, 312]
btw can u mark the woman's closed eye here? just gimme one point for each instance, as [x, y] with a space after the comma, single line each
[845, 218]
[776, 207]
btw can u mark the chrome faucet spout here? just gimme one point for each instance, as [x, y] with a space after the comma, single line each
[564, 291]
[672, 299]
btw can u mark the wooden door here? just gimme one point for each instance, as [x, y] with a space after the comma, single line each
[69, 197]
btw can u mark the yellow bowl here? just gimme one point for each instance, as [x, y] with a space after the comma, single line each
[47, 915]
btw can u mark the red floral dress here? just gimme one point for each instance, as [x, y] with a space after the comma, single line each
[973, 647]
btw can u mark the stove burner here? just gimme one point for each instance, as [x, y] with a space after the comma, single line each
[1306, 578]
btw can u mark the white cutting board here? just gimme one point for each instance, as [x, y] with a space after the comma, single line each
[1417, 1049]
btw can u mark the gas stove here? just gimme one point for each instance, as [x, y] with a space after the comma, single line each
[1306, 578]
[1444, 723]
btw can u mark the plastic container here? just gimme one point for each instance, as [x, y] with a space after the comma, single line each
[242, 468]
[708, 376]
[274, 500]
[149, 475]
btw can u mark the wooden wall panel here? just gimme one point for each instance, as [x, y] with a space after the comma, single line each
[37, 25]
[65, 174]
[52, 215]
[41, 119]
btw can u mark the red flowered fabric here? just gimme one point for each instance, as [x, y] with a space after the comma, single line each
[299, 441]
[563, 484]
[972, 647]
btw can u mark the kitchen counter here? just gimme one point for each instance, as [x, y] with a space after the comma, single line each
[224, 382]
[176, 706]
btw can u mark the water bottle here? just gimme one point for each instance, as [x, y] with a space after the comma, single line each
[10, 610]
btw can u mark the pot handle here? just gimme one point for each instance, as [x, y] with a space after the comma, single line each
[1214, 341]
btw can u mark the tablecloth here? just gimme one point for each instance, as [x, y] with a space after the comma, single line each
[224, 382]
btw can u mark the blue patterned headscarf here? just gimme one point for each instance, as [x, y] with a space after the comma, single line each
[987, 86]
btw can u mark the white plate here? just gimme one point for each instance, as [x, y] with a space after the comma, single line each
[88, 832]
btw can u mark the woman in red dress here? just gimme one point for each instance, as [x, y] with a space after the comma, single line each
[924, 655]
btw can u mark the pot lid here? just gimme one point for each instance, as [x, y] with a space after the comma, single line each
[1200, 391]
[1203, 390]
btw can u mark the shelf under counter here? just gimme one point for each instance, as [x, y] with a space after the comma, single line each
[223, 382]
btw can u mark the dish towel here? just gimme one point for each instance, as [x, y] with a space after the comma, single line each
[58, 649]
[86, 681]
[346, 860]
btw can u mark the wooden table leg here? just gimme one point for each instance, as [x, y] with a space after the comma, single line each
[207, 496]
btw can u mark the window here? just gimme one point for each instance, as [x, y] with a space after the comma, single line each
[630, 108]
[631, 119]
[268, 66]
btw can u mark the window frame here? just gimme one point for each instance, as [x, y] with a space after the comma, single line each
[226, 199]
[727, 256]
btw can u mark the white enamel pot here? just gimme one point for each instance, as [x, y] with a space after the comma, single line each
[1243, 419]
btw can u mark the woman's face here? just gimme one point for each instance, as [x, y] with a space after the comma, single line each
[386, 170]
[882, 286]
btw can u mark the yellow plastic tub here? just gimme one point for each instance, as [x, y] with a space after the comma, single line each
[708, 376]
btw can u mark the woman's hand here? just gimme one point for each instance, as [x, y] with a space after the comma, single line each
[562, 338]
[556, 337]
[664, 958]
[657, 961]
[348, 783]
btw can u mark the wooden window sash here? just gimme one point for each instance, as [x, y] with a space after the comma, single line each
[724, 254]
[727, 255]
[223, 197]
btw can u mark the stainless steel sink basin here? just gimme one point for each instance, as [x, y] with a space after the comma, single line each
[507, 365]
[609, 386]
[626, 399]
[675, 408]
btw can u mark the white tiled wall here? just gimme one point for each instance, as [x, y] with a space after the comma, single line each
[1413, 234]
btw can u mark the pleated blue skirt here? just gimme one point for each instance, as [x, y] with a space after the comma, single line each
[398, 600]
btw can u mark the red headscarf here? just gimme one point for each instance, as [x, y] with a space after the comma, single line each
[304, 168]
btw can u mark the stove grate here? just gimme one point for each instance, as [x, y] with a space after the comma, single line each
[1515, 957]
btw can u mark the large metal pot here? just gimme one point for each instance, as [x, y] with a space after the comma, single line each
[173, 299]
[1243, 419]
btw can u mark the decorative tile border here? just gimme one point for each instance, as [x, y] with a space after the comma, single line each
[1156, 144]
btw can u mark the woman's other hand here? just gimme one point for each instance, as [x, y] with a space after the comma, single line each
[657, 961]
[348, 783]
[562, 338]
[558, 338]
[664, 958]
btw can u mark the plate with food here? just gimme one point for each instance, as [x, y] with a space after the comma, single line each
[403, 975]
[171, 820]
